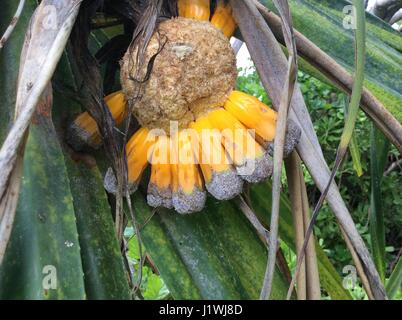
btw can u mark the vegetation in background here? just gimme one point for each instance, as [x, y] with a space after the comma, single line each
[326, 107]
[152, 285]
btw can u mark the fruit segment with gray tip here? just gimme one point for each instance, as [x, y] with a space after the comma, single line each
[185, 203]
[110, 183]
[225, 185]
[157, 197]
[292, 138]
[256, 170]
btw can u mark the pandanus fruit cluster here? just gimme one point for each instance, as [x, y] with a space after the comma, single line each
[196, 131]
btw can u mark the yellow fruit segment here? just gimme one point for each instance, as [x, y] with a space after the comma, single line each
[185, 171]
[223, 19]
[161, 172]
[212, 156]
[117, 106]
[253, 114]
[85, 122]
[139, 150]
[237, 141]
[194, 9]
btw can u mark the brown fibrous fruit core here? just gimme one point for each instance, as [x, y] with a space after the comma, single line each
[193, 73]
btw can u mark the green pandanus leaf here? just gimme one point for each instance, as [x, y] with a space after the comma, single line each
[43, 259]
[102, 262]
[395, 280]
[63, 244]
[322, 22]
[378, 159]
[354, 147]
[214, 254]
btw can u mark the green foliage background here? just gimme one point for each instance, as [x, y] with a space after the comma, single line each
[326, 106]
